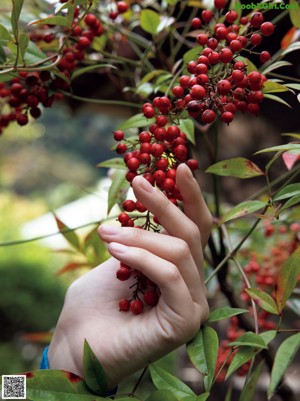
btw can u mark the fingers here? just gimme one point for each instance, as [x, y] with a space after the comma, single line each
[165, 274]
[193, 202]
[177, 252]
[176, 223]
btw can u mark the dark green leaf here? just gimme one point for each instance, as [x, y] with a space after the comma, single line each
[136, 121]
[93, 371]
[287, 192]
[283, 359]
[160, 395]
[187, 126]
[238, 167]
[263, 299]
[291, 202]
[224, 313]
[281, 148]
[268, 336]
[4, 34]
[192, 54]
[57, 20]
[249, 339]
[276, 99]
[23, 43]
[251, 385]
[34, 54]
[2, 56]
[90, 68]
[243, 209]
[68, 234]
[203, 352]
[150, 21]
[163, 380]
[116, 162]
[287, 279]
[294, 11]
[117, 190]
[15, 15]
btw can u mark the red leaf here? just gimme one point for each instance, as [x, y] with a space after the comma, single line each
[289, 159]
[288, 38]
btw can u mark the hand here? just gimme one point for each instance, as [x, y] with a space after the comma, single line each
[123, 342]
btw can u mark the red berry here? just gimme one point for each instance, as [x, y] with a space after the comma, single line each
[159, 176]
[144, 137]
[207, 15]
[256, 19]
[219, 4]
[83, 43]
[236, 45]
[22, 119]
[123, 218]
[178, 91]
[122, 7]
[173, 132]
[267, 28]
[184, 81]
[90, 19]
[157, 149]
[202, 39]
[121, 148]
[136, 307]
[231, 16]
[208, 116]
[223, 87]
[237, 75]
[255, 39]
[162, 164]
[123, 274]
[149, 112]
[214, 58]
[192, 164]
[124, 305]
[133, 164]
[151, 298]
[140, 207]
[129, 205]
[227, 117]
[264, 56]
[225, 55]
[168, 184]
[196, 23]
[198, 92]
[254, 77]
[144, 158]
[118, 135]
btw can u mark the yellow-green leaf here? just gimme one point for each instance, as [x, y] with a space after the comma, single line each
[294, 11]
[238, 167]
[150, 21]
[243, 209]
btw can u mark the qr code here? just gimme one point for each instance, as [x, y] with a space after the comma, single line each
[13, 387]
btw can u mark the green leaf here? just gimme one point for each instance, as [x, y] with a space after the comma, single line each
[224, 313]
[283, 358]
[291, 48]
[116, 162]
[150, 21]
[192, 54]
[276, 99]
[136, 121]
[250, 386]
[15, 15]
[23, 43]
[2, 55]
[160, 395]
[163, 380]
[117, 190]
[291, 202]
[287, 192]
[287, 279]
[271, 87]
[243, 209]
[238, 167]
[203, 352]
[57, 385]
[57, 20]
[250, 66]
[94, 67]
[152, 74]
[67, 233]
[244, 354]
[274, 66]
[291, 134]
[293, 86]
[4, 34]
[294, 11]
[280, 148]
[34, 54]
[172, 2]
[263, 299]
[187, 126]
[249, 339]
[93, 371]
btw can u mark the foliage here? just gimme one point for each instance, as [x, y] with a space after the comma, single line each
[145, 50]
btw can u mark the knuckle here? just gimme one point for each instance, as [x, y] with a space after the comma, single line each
[193, 234]
[181, 249]
[172, 274]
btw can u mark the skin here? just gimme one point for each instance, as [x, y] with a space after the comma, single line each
[123, 342]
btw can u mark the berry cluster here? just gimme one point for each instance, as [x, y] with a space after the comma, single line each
[155, 155]
[220, 81]
[262, 271]
[25, 94]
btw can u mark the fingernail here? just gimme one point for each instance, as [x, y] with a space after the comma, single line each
[117, 248]
[141, 182]
[108, 230]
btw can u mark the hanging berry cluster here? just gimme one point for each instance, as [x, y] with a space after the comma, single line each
[220, 81]
[155, 155]
[218, 84]
[28, 92]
